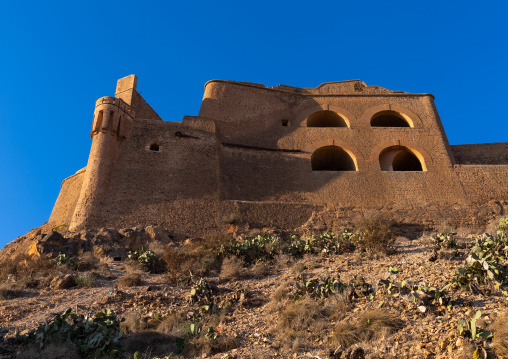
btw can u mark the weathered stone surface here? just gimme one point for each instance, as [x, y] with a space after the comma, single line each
[62, 282]
[158, 234]
[273, 156]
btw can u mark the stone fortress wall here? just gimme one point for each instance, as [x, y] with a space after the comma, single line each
[273, 156]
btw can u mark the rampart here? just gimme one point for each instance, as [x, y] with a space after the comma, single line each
[274, 156]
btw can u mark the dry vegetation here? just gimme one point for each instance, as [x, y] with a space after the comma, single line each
[361, 294]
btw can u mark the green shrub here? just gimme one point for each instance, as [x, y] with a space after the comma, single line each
[261, 247]
[503, 226]
[319, 287]
[201, 292]
[94, 336]
[444, 240]
[85, 280]
[62, 259]
[485, 264]
[147, 258]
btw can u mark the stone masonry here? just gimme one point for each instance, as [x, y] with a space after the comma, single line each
[273, 156]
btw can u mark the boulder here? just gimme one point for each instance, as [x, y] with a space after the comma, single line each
[62, 282]
[158, 234]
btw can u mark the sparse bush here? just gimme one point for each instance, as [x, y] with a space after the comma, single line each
[87, 262]
[148, 259]
[300, 320]
[61, 259]
[30, 272]
[197, 258]
[374, 234]
[371, 324]
[261, 269]
[201, 292]
[232, 268]
[444, 240]
[85, 280]
[172, 324]
[130, 280]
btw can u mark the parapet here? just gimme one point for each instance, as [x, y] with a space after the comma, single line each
[345, 88]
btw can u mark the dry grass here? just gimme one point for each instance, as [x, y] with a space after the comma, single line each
[501, 336]
[279, 298]
[283, 261]
[376, 234]
[300, 320]
[172, 324]
[261, 269]
[371, 325]
[87, 262]
[85, 280]
[133, 323]
[233, 269]
[30, 272]
[130, 280]
[198, 257]
[203, 345]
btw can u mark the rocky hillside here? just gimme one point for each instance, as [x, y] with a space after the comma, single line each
[372, 291]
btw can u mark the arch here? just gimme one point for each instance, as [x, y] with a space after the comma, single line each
[332, 158]
[401, 158]
[410, 117]
[325, 118]
[388, 119]
[348, 117]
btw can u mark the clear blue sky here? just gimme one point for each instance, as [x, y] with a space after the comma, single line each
[57, 58]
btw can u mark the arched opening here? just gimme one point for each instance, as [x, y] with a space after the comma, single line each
[332, 158]
[325, 118]
[399, 158]
[154, 147]
[388, 119]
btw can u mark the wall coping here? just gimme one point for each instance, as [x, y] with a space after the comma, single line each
[262, 87]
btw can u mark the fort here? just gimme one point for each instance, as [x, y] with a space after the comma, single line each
[279, 156]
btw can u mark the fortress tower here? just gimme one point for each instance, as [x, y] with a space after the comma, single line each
[273, 156]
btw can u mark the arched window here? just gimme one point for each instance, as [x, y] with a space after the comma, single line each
[399, 158]
[154, 147]
[388, 119]
[325, 118]
[332, 158]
